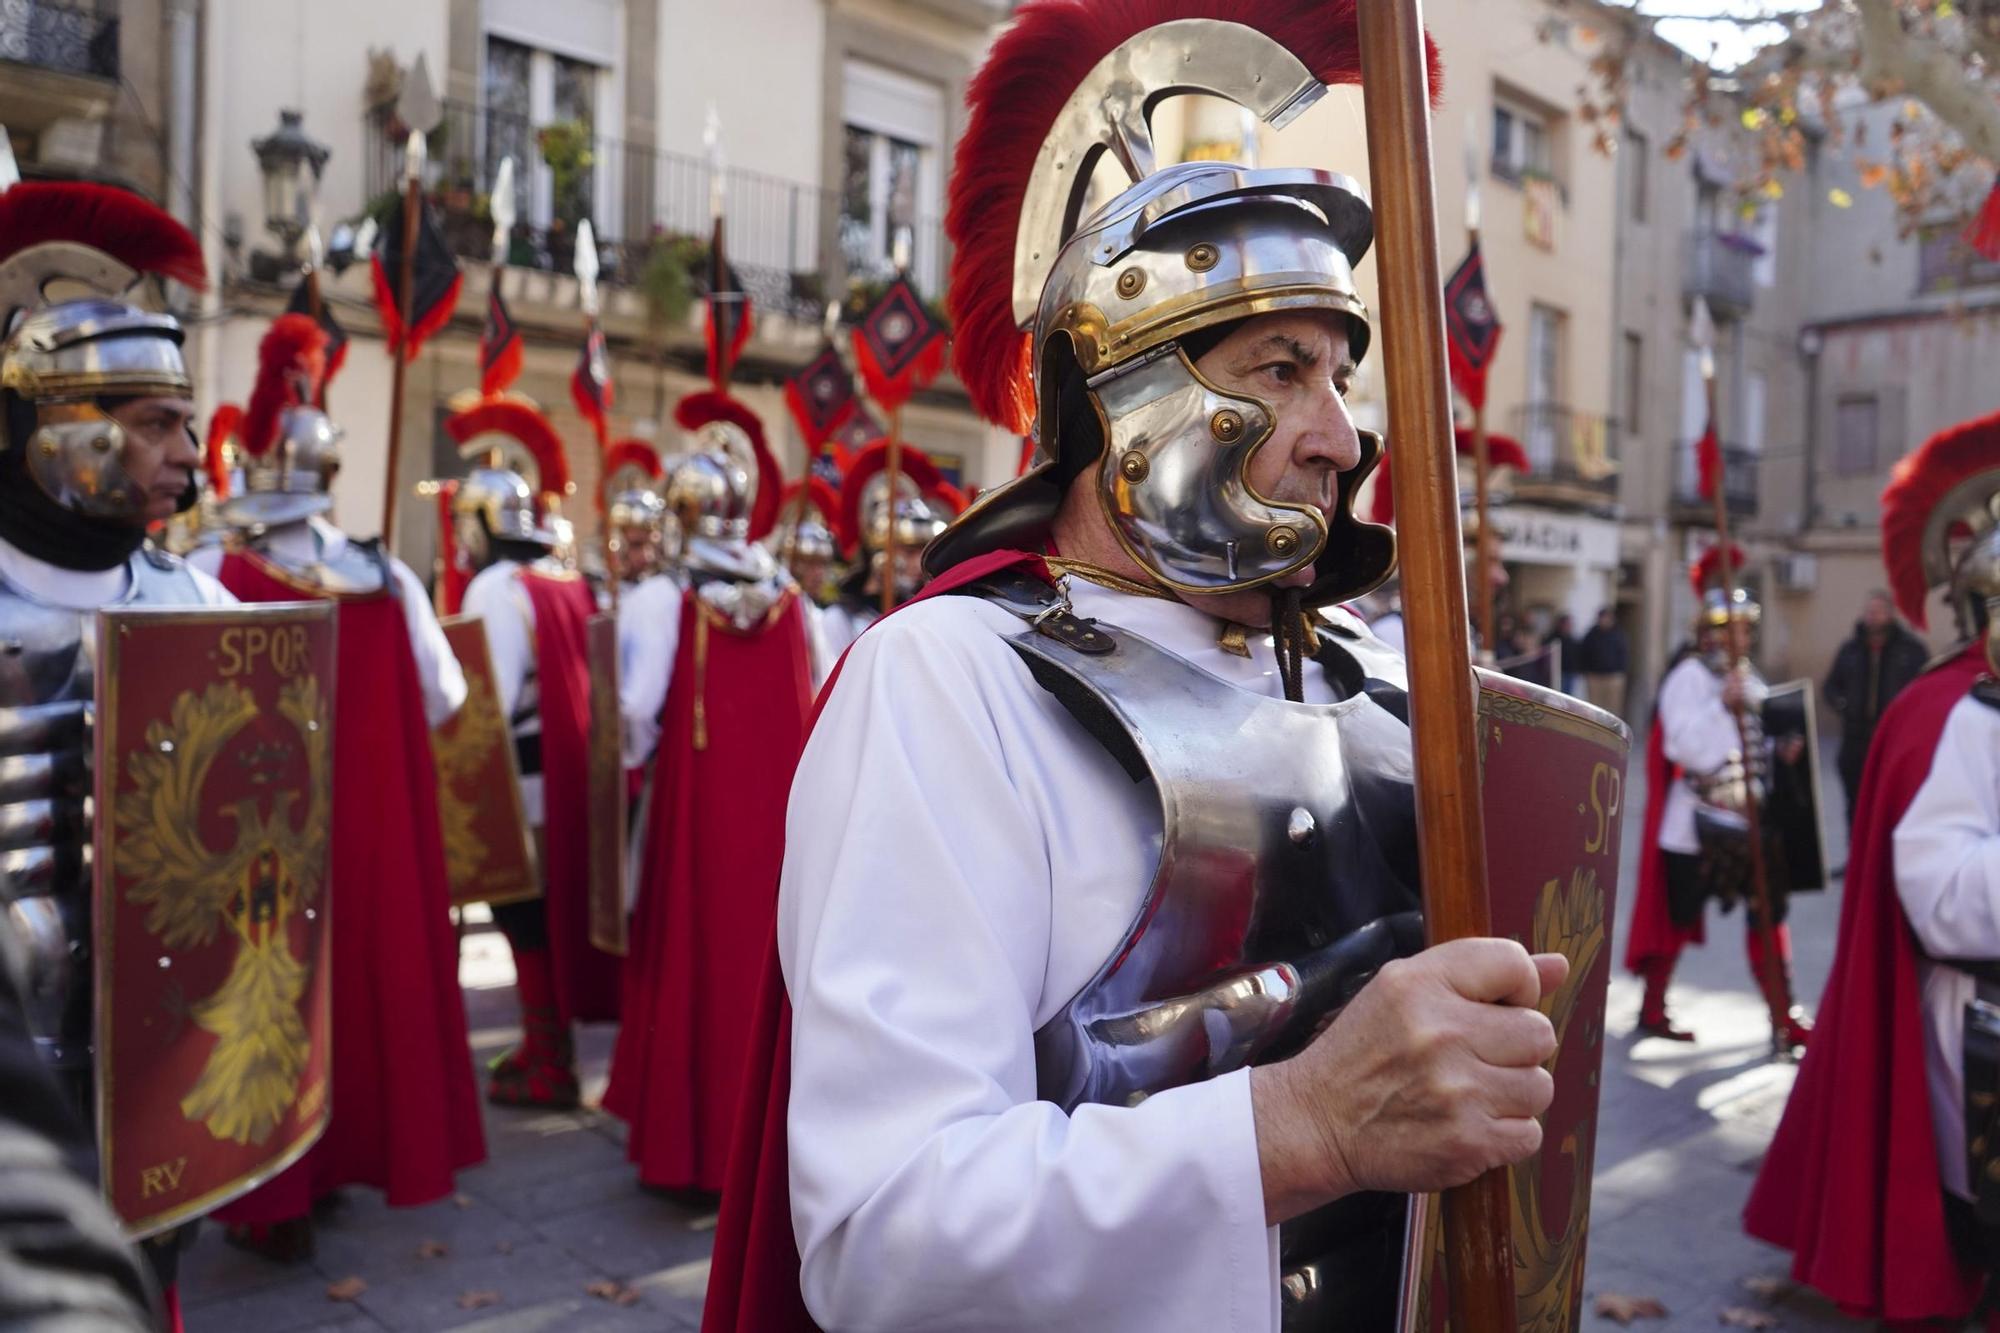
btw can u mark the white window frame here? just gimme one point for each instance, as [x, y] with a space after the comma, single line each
[890, 104]
[582, 30]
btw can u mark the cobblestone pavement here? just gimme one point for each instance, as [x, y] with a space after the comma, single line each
[552, 1232]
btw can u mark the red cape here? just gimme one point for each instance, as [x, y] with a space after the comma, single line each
[1851, 1181]
[753, 1280]
[708, 896]
[1654, 934]
[405, 1108]
[586, 978]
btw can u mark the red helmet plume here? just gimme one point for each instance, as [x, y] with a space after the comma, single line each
[1706, 571]
[1501, 451]
[225, 424]
[519, 422]
[699, 409]
[133, 231]
[1919, 481]
[633, 453]
[914, 465]
[1047, 51]
[291, 365]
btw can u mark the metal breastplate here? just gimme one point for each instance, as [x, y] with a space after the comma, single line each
[1287, 876]
[47, 678]
[358, 568]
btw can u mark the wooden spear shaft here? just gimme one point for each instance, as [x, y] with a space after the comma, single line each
[1760, 884]
[890, 543]
[1479, 1250]
[413, 200]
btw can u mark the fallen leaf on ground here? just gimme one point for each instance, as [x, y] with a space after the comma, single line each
[503, 1246]
[1738, 1317]
[347, 1289]
[474, 1300]
[433, 1249]
[1769, 1288]
[461, 1201]
[1624, 1309]
[615, 1292]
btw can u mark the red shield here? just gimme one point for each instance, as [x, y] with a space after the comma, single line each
[214, 796]
[488, 855]
[1552, 779]
[607, 790]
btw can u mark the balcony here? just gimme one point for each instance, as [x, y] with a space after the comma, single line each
[1721, 268]
[1570, 458]
[1739, 482]
[792, 245]
[65, 39]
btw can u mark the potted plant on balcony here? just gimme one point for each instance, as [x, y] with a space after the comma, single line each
[567, 147]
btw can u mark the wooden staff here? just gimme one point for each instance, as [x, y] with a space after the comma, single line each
[413, 202]
[890, 542]
[1769, 971]
[1479, 1249]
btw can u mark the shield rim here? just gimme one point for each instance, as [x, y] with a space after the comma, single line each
[1808, 692]
[103, 871]
[520, 812]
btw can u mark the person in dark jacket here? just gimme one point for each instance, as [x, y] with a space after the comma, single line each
[1563, 635]
[1604, 657]
[1870, 669]
[63, 1261]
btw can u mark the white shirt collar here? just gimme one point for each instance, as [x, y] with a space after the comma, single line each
[76, 589]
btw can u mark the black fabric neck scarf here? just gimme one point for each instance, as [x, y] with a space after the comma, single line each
[41, 528]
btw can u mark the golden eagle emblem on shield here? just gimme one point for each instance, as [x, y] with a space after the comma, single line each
[251, 889]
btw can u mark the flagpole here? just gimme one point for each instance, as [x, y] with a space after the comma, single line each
[1482, 453]
[1760, 888]
[1479, 1247]
[413, 186]
[586, 268]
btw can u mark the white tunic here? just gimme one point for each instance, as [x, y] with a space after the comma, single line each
[496, 596]
[1699, 734]
[960, 858]
[1947, 857]
[86, 589]
[649, 636]
[841, 624]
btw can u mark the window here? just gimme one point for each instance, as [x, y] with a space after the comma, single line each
[1632, 375]
[529, 91]
[1636, 167]
[1522, 147]
[1755, 388]
[1856, 426]
[1764, 232]
[891, 174]
[1546, 329]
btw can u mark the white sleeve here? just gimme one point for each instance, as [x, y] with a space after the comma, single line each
[1697, 731]
[438, 672]
[498, 600]
[931, 1190]
[816, 645]
[207, 559]
[212, 591]
[649, 632]
[1948, 842]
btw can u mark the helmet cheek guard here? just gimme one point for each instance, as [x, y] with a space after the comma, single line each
[77, 457]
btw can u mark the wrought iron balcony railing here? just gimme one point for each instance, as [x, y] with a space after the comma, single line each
[1567, 447]
[1739, 480]
[1721, 267]
[62, 37]
[794, 246]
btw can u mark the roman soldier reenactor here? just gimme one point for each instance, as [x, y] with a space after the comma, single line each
[1104, 816]
[720, 688]
[99, 442]
[399, 1034]
[1707, 755]
[535, 609]
[644, 538]
[1880, 1178]
[804, 540]
[918, 511]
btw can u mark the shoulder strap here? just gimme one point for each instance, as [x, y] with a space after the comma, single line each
[1045, 609]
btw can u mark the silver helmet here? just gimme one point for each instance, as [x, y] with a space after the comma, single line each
[290, 450]
[710, 491]
[494, 502]
[1941, 525]
[1106, 302]
[62, 357]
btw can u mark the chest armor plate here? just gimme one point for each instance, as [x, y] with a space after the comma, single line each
[356, 570]
[47, 684]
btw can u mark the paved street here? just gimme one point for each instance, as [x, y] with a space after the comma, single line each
[553, 1233]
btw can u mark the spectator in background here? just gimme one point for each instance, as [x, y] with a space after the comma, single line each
[1562, 635]
[1604, 657]
[1870, 669]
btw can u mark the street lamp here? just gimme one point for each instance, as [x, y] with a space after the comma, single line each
[291, 163]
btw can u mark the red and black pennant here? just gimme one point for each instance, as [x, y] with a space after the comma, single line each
[898, 347]
[500, 345]
[821, 397]
[1472, 327]
[590, 384]
[336, 336]
[434, 285]
[729, 315]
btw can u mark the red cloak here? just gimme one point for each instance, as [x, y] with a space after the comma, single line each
[586, 978]
[731, 731]
[405, 1109]
[1654, 934]
[753, 1282]
[1850, 1184]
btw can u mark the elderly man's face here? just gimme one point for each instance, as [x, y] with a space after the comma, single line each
[1298, 363]
[160, 456]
